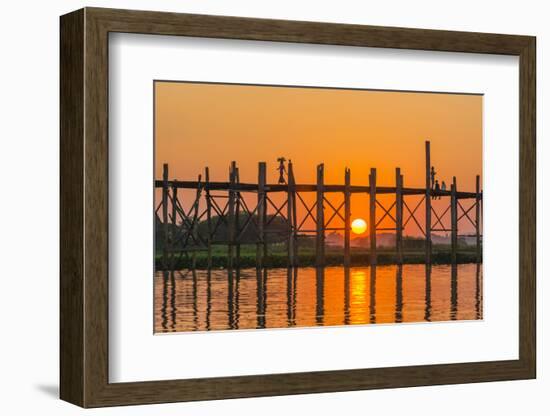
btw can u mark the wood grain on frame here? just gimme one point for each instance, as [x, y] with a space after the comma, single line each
[84, 207]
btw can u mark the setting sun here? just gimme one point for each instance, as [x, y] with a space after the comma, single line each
[358, 226]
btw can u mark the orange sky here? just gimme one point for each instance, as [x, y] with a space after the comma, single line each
[198, 125]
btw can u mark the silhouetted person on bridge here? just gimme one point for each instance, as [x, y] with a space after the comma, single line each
[432, 174]
[281, 169]
[443, 186]
[437, 190]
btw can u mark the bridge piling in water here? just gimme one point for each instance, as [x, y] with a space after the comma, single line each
[347, 218]
[237, 221]
[320, 218]
[291, 218]
[478, 220]
[231, 220]
[372, 217]
[208, 216]
[165, 224]
[428, 206]
[454, 222]
[261, 245]
[174, 224]
[399, 215]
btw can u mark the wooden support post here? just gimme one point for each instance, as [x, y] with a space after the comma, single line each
[237, 220]
[290, 206]
[231, 217]
[347, 219]
[454, 222]
[478, 220]
[195, 221]
[399, 215]
[165, 225]
[372, 216]
[208, 215]
[174, 225]
[261, 246]
[428, 205]
[294, 220]
[320, 218]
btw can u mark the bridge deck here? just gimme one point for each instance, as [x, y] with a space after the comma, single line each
[252, 187]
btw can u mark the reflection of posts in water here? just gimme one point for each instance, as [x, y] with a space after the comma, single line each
[168, 307]
[237, 297]
[454, 292]
[291, 280]
[479, 291]
[320, 295]
[399, 294]
[164, 307]
[372, 291]
[195, 300]
[233, 279]
[428, 294]
[208, 298]
[173, 300]
[346, 295]
[230, 322]
[261, 296]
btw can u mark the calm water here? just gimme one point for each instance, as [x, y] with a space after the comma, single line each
[278, 298]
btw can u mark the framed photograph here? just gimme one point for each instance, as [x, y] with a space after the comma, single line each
[255, 207]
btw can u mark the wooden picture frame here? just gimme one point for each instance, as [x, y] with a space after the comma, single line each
[84, 207]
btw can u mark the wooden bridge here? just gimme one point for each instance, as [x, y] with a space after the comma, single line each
[180, 232]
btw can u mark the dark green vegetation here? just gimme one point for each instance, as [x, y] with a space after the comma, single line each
[276, 234]
[334, 256]
[276, 231]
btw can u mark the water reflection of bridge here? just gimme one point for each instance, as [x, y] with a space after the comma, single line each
[239, 313]
[222, 204]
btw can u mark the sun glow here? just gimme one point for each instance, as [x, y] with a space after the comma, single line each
[358, 226]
